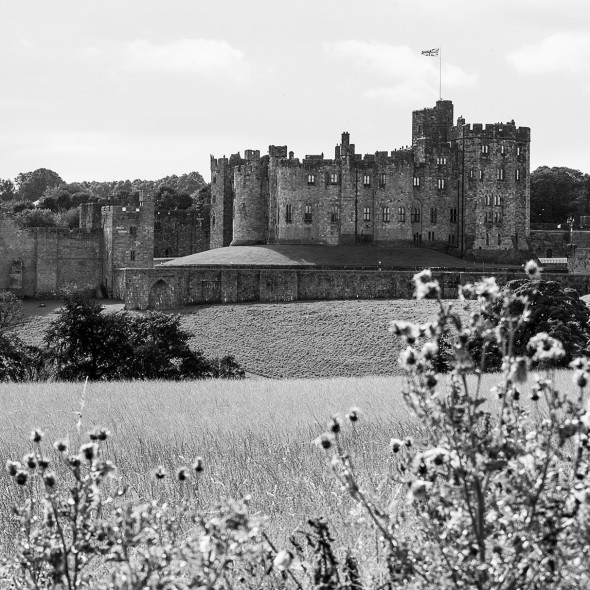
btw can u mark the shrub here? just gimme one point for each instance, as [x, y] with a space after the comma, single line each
[11, 309]
[497, 495]
[84, 343]
[36, 218]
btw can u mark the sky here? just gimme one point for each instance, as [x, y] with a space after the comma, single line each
[126, 89]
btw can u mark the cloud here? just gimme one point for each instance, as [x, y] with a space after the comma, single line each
[413, 76]
[202, 57]
[561, 52]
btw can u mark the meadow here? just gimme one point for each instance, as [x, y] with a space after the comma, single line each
[313, 339]
[256, 438]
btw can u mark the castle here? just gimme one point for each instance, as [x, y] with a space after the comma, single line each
[461, 188]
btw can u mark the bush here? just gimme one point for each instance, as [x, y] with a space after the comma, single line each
[36, 218]
[11, 309]
[85, 343]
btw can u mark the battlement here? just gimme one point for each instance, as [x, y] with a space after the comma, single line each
[277, 151]
[492, 131]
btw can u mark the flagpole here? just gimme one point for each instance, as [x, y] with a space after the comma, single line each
[440, 73]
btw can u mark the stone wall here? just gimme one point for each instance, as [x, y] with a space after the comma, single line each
[553, 243]
[180, 233]
[50, 260]
[168, 287]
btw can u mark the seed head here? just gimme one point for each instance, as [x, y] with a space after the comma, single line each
[44, 462]
[99, 433]
[581, 378]
[531, 268]
[396, 444]
[518, 370]
[334, 425]
[419, 490]
[30, 460]
[159, 473]
[198, 465]
[353, 414]
[325, 440]
[283, 560]
[74, 461]
[37, 435]
[12, 467]
[89, 451]
[49, 479]
[61, 446]
[182, 474]
[21, 477]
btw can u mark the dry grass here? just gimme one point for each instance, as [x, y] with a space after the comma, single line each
[256, 437]
[294, 340]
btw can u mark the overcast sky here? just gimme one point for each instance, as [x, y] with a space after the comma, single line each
[125, 89]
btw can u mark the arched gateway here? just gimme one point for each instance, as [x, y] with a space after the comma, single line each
[161, 296]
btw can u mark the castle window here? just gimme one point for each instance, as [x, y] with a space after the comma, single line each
[213, 220]
[431, 236]
[133, 230]
[497, 200]
[487, 239]
[366, 213]
[471, 174]
[307, 217]
[488, 217]
[402, 214]
[289, 213]
[517, 175]
[453, 216]
[503, 149]
[451, 238]
[481, 176]
[416, 181]
[498, 217]
[132, 255]
[499, 240]
[385, 212]
[433, 215]
[485, 149]
[441, 183]
[415, 214]
[333, 178]
[382, 180]
[441, 160]
[334, 214]
[518, 150]
[366, 180]
[488, 199]
[500, 174]
[311, 179]
[158, 225]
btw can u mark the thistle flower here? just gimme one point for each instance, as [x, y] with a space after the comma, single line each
[13, 467]
[49, 479]
[21, 477]
[105, 468]
[410, 332]
[546, 347]
[159, 472]
[425, 286]
[89, 451]
[61, 446]
[334, 425]
[99, 433]
[580, 363]
[487, 289]
[198, 465]
[353, 414]
[407, 358]
[30, 460]
[396, 444]
[182, 474]
[44, 462]
[283, 560]
[74, 461]
[429, 351]
[325, 440]
[531, 268]
[37, 435]
[580, 378]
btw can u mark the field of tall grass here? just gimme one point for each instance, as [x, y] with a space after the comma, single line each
[256, 438]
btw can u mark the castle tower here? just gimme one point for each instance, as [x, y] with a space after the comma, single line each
[250, 224]
[128, 236]
[221, 216]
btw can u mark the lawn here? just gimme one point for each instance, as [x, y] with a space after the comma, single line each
[292, 340]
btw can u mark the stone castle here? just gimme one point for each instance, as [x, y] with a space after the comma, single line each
[461, 188]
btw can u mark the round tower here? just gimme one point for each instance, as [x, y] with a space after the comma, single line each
[251, 200]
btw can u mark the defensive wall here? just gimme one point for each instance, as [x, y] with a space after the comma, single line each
[173, 287]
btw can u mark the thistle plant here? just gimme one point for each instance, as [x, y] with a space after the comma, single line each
[497, 493]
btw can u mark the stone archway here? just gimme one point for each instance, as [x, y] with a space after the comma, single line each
[161, 296]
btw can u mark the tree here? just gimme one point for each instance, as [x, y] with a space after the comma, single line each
[7, 190]
[32, 185]
[36, 218]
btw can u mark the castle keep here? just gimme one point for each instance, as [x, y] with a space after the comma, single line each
[459, 187]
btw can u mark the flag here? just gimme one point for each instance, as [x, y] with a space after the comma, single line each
[430, 52]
